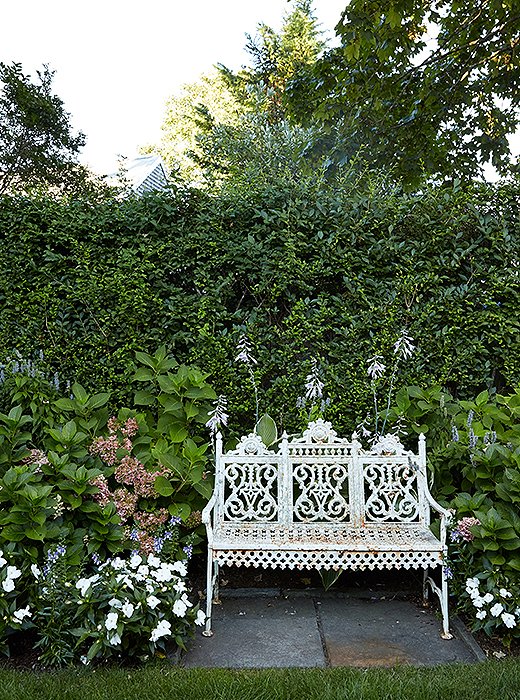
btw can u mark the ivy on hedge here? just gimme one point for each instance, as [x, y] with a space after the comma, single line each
[304, 270]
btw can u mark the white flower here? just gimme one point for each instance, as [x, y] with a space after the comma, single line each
[2, 560]
[404, 346]
[35, 571]
[8, 585]
[477, 601]
[163, 629]
[127, 609]
[152, 601]
[19, 615]
[508, 620]
[135, 561]
[85, 583]
[143, 570]
[376, 368]
[111, 621]
[153, 560]
[179, 608]
[481, 614]
[472, 583]
[84, 660]
[504, 593]
[180, 568]
[496, 609]
[162, 574]
[13, 572]
[118, 563]
[186, 601]
[201, 618]
[115, 639]
[489, 598]
[115, 603]
[180, 586]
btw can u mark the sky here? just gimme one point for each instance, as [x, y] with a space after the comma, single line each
[117, 61]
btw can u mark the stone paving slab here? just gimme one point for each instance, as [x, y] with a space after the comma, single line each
[376, 632]
[308, 629]
[270, 632]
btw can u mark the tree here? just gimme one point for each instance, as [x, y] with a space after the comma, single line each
[36, 144]
[277, 58]
[234, 125]
[196, 109]
[429, 87]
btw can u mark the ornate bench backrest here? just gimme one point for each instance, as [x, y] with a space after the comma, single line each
[320, 478]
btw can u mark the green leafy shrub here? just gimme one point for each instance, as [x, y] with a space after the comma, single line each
[474, 458]
[306, 269]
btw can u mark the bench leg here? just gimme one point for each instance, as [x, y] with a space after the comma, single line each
[209, 594]
[442, 594]
[444, 607]
[425, 587]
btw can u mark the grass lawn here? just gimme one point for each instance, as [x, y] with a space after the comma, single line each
[490, 680]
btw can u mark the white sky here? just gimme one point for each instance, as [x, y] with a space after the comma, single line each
[117, 61]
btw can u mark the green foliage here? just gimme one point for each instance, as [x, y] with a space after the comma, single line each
[424, 107]
[304, 269]
[177, 407]
[36, 144]
[474, 456]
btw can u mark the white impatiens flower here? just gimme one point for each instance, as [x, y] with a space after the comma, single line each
[481, 614]
[471, 584]
[179, 608]
[13, 572]
[83, 584]
[115, 603]
[8, 585]
[20, 614]
[35, 571]
[162, 574]
[153, 561]
[508, 620]
[135, 561]
[497, 609]
[111, 621]
[477, 601]
[3, 561]
[163, 629]
[127, 608]
[201, 618]
[488, 598]
[118, 563]
[143, 570]
[505, 593]
[180, 568]
[152, 602]
[115, 639]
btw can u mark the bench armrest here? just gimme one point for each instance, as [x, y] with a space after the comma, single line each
[445, 514]
[206, 516]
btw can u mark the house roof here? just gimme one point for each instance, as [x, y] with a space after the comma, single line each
[146, 173]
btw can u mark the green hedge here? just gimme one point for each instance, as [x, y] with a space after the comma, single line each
[305, 270]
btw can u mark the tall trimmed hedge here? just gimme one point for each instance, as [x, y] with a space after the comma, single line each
[304, 270]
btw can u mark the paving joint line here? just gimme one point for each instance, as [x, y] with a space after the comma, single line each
[321, 632]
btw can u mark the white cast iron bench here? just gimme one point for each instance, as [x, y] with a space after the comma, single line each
[321, 502]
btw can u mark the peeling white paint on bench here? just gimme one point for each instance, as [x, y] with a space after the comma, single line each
[321, 502]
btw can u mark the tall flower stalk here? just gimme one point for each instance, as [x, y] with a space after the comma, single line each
[245, 355]
[218, 416]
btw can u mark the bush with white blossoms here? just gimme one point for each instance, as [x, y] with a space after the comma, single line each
[495, 608]
[133, 608]
[15, 614]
